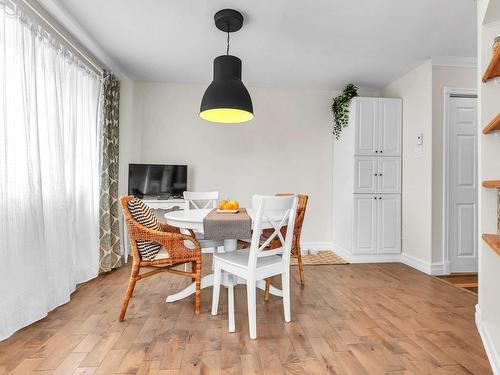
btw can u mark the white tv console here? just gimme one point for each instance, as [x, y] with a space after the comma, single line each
[173, 204]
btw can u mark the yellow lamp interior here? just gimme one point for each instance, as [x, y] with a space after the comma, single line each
[226, 115]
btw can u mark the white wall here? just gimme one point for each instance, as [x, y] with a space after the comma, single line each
[415, 88]
[488, 316]
[130, 150]
[422, 90]
[286, 148]
[443, 76]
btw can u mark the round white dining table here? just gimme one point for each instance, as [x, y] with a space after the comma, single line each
[193, 219]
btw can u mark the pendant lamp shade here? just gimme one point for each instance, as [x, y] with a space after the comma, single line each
[226, 100]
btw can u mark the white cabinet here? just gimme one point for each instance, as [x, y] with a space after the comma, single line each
[389, 174]
[377, 124]
[367, 182]
[365, 224]
[389, 127]
[365, 174]
[374, 174]
[366, 124]
[389, 223]
[377, 224]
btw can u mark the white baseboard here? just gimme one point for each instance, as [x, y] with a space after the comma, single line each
[436, 268]
[491, 352]
[376, 258]
[365, 258]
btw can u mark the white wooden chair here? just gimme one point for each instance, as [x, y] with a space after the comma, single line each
[202, 200]
[255, 263]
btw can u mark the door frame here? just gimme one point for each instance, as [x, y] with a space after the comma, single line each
[449, 92]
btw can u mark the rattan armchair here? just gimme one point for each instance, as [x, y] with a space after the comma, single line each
[178, 253]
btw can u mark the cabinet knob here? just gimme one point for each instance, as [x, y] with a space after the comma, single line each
[380, 174]
[381, 151]
[375, 174]
[376, 151]
[374, 197]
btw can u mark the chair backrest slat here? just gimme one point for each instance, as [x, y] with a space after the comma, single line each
[199, 199]
[276, 212]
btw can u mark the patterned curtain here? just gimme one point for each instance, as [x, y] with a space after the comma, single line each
[110, 255]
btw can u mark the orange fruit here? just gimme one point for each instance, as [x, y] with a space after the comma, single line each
[222, 203]
[235, 204]
[229, 206]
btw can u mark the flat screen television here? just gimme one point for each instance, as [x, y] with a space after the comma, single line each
[156, 180]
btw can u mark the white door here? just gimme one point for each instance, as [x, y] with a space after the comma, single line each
[389, 128]
[389, 175]
[365, 224]
[389, 223]
[365, 174]
[462, 184]
[366, 120]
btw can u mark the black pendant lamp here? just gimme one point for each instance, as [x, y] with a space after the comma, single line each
[227, 100]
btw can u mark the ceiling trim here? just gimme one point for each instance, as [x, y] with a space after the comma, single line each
[455, 61]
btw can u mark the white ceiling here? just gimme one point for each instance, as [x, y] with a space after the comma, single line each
[284, 43]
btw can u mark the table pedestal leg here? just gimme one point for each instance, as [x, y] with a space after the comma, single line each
[208, 280]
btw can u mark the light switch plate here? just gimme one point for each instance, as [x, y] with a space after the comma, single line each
[418, 152]
[420, 139]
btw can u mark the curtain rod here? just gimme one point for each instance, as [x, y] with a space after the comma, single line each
[82, 54]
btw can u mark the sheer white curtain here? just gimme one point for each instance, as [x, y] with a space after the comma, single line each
[49, 171]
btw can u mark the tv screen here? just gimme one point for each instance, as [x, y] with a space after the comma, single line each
[154, 180]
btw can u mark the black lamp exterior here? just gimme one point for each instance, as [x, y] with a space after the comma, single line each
[227, 90]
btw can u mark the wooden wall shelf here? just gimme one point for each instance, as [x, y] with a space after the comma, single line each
[493, 69]
[495, 184]
[493, 240]
[492, 125]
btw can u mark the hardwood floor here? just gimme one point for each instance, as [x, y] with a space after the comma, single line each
[349, 319]
[468, 281]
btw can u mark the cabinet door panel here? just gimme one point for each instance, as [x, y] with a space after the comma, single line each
[366, 120]
[389, 224]
[389, 130]
[389, 174]
[365, 168]
[365, 224]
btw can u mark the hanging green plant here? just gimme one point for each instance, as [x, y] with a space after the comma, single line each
[340, 108]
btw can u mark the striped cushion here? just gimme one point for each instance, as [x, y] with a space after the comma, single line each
[145, 216]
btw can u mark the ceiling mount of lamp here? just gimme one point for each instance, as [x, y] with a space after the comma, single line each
[227, 100]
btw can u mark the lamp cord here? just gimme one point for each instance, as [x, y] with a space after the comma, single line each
[227, 50]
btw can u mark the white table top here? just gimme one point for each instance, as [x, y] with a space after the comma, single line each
[193, 219]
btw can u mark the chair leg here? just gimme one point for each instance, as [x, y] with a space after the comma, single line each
[215, 295]
[193, 269]
[285, 285]
[252, 309]
[130, 290]
[266, 291]
[301, 266]
[197, 307]
[230, 303]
